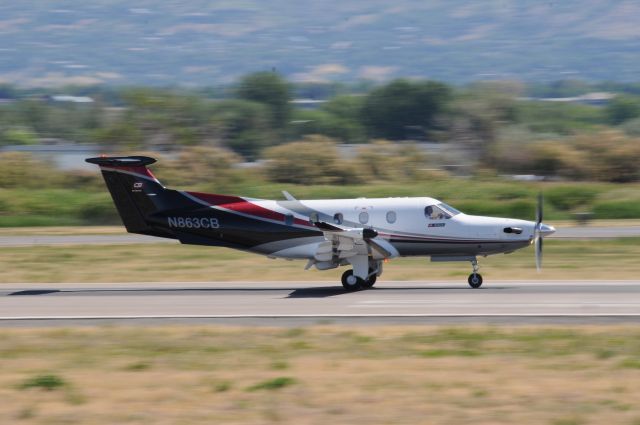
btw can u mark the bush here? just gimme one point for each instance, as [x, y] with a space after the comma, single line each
[18, 136]
[385, 161]
[273, 384]
[616, 209]
[313, 160]
[45, 382]
[22, 170]
[567, 198]
[198, 164]
[98, 210]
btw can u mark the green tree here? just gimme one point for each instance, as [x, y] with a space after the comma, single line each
[320, 121]
[243, 126]
[270, 89]
[476, 116]
[623, 108]
[396, 110]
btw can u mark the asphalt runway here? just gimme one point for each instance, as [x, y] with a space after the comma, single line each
[577, 232]
[297, 303]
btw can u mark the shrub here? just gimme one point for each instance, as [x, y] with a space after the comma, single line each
[98, 211]
[616, 209]
[386, 161]
[567, 198]
[19, 169]
[313, 160]
[200, 163]
[273, 384]
[45, 382]
[222, 386]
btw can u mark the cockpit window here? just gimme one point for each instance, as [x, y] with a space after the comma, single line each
[434, 212]
[452, 211]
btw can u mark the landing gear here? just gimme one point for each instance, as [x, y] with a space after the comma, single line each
[351, 282]
[475, 278]
[371, 280]
[354, 283]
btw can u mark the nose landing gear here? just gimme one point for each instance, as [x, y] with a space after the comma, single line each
[475, 278]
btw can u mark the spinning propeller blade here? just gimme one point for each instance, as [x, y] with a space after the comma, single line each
[538, 233]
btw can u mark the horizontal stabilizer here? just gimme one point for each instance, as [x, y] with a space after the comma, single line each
[122, 161]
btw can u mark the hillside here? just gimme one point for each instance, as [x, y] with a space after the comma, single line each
[211, 42]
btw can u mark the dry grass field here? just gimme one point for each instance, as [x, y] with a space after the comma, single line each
[321, 374]
[581, 259]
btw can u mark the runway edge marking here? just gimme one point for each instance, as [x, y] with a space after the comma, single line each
[275, 316]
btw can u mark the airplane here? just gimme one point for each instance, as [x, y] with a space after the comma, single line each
[328, 233]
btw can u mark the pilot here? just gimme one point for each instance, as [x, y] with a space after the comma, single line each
[429, 212]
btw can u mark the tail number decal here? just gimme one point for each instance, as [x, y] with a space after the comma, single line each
[194, 222]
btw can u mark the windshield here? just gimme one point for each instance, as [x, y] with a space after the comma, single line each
[434, 212]
[452, 211]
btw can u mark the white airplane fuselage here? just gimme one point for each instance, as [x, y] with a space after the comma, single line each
[402, 223]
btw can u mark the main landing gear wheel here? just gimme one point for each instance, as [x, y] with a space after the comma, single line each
[370, 281]
[475, 280]
[350, 282]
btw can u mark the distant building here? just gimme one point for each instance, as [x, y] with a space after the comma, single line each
[595, 98]
[307, 103]
[71, 99]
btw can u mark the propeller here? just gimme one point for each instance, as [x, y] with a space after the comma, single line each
[538, 232]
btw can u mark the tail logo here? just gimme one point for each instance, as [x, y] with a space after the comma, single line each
[137, 187]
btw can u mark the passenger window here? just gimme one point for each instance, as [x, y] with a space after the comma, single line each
[391, 217]
[288, 219]
[338, 218]
[432, 212]
[363, 217]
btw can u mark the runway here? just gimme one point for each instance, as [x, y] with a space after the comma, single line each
[570, 232]
[298, 303]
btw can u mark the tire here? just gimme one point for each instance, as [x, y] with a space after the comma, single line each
[475, 280]
[350, 282]
[370, 282]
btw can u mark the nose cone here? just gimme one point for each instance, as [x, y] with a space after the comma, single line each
[546, 230]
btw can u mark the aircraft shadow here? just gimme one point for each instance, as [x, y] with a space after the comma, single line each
[35, 292]
[332, 291]
[141, 290]
[318, 292]
[314, 292]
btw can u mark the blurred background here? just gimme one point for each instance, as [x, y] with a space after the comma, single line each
[481, 104]
[338, 99]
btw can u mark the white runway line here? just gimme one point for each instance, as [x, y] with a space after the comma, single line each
[312, 316]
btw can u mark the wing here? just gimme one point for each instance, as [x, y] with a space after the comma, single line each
[345, 242]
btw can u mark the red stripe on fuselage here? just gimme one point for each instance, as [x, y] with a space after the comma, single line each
[237, 204]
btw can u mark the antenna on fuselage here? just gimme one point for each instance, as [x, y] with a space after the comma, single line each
[288, 196]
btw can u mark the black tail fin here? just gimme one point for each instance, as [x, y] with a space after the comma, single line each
[136, 192]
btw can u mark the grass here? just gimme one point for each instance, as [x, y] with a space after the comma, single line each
[563, 259]
[485, 196]
[209, 374]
